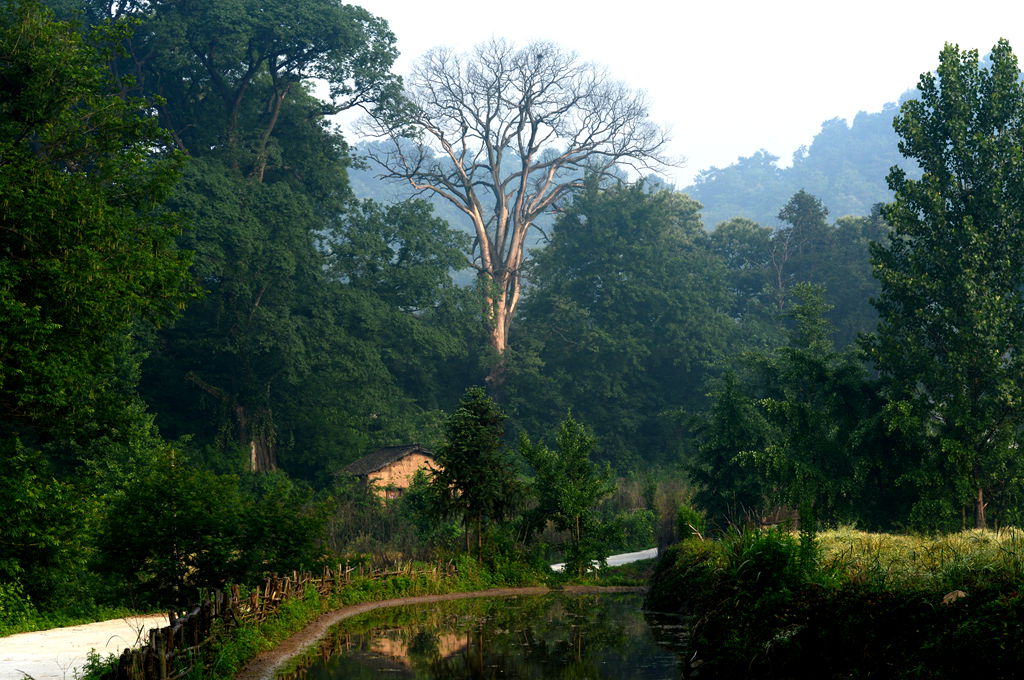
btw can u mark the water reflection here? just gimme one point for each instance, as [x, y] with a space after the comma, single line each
[553, 636]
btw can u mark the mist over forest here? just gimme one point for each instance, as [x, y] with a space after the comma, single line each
[845, 166]
[213, 302]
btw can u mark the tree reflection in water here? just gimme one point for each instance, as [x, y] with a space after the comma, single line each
[567, 637]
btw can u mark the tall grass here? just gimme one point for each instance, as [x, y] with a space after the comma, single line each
[864, 605]
[917, 562]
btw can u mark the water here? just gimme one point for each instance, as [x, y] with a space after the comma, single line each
[551, 636]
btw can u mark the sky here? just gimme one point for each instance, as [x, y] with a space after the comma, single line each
[727, 77]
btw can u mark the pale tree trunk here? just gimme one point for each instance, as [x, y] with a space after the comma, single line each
[479, 539]
[256, 434]
[501, 304]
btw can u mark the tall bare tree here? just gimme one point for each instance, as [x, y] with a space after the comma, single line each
[503, 133]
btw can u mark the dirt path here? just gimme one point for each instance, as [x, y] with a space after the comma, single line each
[264, 665]
[58, 654]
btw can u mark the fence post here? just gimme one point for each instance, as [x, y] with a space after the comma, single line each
[159, 651]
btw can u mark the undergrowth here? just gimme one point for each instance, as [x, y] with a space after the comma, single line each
[772, 604]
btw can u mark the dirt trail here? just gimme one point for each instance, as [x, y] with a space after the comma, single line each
[263, 666]
[58, 654]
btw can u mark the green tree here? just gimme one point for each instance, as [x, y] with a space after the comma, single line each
[797, 248]
[88, 264]
[763, 266]
[87, 250]
[850, 284]
[475, 474]
[746, 250]
[795, 426]
[731, 489]
[323, 318]
[568, 487]
[624, 315]
[813, 400]
[952, 279]
[179, 527]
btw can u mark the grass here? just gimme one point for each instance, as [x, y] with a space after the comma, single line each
[923, 562]
[766, 604]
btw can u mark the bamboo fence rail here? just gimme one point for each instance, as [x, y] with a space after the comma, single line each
[177, 649]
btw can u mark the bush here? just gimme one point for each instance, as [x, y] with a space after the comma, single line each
[16, 608]
[689, 523]
[179, 528]
[758, 608]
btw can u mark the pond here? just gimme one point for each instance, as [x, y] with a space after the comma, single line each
[541, 636]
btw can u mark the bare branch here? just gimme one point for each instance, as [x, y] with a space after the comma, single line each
[504, 133]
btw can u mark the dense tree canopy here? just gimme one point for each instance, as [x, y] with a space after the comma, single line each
[321, 329]
[952, 275]
[87, 250]
[622, 317]
[87, 262]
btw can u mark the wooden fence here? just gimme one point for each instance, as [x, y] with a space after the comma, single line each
[177, 649]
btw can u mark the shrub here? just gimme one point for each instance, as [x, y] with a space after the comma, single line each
[689, 522]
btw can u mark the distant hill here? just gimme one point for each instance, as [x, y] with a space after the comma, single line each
[845, 166]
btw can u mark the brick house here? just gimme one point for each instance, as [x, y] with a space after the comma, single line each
[390, 470]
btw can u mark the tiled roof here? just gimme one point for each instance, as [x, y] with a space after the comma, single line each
[383, 457]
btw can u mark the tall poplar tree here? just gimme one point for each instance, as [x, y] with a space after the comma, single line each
[952, 300]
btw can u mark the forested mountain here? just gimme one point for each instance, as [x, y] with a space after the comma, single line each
[845, 166]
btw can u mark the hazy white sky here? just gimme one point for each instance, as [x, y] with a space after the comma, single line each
[728, 77]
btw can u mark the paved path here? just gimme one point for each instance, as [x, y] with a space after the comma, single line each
[58, 654]
[619, 560]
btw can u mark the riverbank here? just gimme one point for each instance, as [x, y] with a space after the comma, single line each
[768, 604]
[61, 653]
[264, 665]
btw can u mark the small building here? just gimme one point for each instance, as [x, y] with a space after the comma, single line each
[390, 470]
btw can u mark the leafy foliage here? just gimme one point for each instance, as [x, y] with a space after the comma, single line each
[951, 305]
[87, 249]
[621, 319]
[475, 477]
[797, 427]
[568, 487]
[181, 527]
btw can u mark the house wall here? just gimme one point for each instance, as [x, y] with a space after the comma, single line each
[399, 474]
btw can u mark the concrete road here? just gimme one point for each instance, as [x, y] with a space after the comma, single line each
[619, 560]
[59, 653]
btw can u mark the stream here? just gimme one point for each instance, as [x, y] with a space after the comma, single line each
[548, 636]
